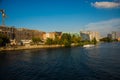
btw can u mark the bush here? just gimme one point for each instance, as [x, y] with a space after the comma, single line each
[4, 40]
[49, 41]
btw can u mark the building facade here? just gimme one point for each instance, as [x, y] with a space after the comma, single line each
[8, 31]
[52, 35]
[23, 34]
[114, 35]
[19, 34]
[27, 34]
[89, 35]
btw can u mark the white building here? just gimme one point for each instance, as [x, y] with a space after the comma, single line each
[26, 42]
[89, 35]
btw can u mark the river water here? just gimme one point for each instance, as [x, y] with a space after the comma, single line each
[101, 62]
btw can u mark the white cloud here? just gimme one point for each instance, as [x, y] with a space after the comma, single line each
[104, 27]
[106, 4]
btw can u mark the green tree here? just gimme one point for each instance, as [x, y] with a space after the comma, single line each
[56, 40]
[36, 40]
[4, 40]
[94, 41]
[66, 39]
[76, 39]
[106, 39]
[49, 41]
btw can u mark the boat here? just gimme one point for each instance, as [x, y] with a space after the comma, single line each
[88, 45]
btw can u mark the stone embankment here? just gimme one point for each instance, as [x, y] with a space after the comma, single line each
[29, 47]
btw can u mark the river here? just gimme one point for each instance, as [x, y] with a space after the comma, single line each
[101, 62]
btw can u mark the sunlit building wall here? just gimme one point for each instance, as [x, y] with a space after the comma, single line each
[89, 35]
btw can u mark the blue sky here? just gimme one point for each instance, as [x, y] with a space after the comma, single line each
[61, 15]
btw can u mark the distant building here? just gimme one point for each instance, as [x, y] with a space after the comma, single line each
[8, 31]
[109, 36]
[119, 39]
[23, 34]
[114, 35]
[19, 34]
[27, 34]
[75, 34]
[89, 35]
[38, 34]
[52, 35]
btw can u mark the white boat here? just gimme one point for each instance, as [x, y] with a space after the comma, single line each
[88, 45]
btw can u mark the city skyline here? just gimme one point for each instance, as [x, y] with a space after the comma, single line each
[63, 15]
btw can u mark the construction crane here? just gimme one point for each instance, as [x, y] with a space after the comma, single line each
[3, 17]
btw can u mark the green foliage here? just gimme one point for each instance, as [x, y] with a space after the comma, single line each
[36, 40]
[76, 39]
[86, 42]
[49, 41]
[56, 40]
[66, 40]
[106, 39]
[4, 40]
[94, 41]
[115, 40]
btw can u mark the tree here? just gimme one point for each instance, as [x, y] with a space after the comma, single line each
[4, 40]
[66, 39]
[56, 40]
[94, 41]
[76, 39]
[49, 41]
[36, 40]
[106, 39]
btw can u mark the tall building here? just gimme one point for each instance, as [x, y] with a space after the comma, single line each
[114, 35]
[89, 35]
[27, 34]
[20, 33]
[8, 31]
[23, 34]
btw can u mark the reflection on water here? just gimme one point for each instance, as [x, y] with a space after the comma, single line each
[101, 62]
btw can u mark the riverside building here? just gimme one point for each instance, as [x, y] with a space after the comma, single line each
[89, 35]
[52, 35]
[114, 35]
[8, 31]
[19, 34]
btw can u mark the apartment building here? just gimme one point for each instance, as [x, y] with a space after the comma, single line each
[19, 34]
[114, 35]
[52, 35]
[89, 35]
[8, 31]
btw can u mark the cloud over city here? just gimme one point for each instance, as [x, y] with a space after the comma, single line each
[106, 4]
[104, 27]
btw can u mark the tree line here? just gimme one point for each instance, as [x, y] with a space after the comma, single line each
[107, 39]
[66, 39]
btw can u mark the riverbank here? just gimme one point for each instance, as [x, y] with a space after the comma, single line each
[29, 47]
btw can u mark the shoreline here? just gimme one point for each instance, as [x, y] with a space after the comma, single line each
[32, 47]
[29, 47]
[14, 48]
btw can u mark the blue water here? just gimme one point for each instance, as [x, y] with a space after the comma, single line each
[101, 62]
